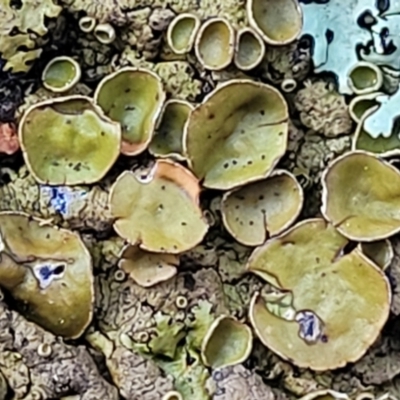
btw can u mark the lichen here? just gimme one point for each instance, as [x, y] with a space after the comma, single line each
[292, 61]
[135, 375]
[43, 94]
[337, 34]
[66, 369]
[22, 26]
[154, 311]
[78, 207]
[380, 123]
[121, 12]
[236, 383]
[381, 364]
[323, 109]
[94, 57]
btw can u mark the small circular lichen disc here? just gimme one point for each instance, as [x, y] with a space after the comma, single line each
[346, 291]
[68, 141]
[215, 44]
[134, 98]
[227, 342]
[262, 209]
[159, 212]
[361, 196]
[61, 74]
[237, 135]
[277, 21]
[365, 77]
[250, 50]
[182, 32]
[64, 305]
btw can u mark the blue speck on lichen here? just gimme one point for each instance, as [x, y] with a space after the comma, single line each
[310, 326]
[60, 197]
[46, 273]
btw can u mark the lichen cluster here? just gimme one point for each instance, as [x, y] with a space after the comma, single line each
[199, 200]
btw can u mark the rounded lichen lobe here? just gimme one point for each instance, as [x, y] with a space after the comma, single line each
[361, 196]
[68, 141]
[340, 299]
[277, 21]
[134, 98]
[237, 135]
[215, 42]
[158, 210]
[48, 271]
[146, 268]
[262, 209]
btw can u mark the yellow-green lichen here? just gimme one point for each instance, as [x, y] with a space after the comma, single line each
[29, 21]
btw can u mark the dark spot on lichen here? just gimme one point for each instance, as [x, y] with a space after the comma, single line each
[262, 112]
[226, 165]
[263, 157]
[59, 269]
